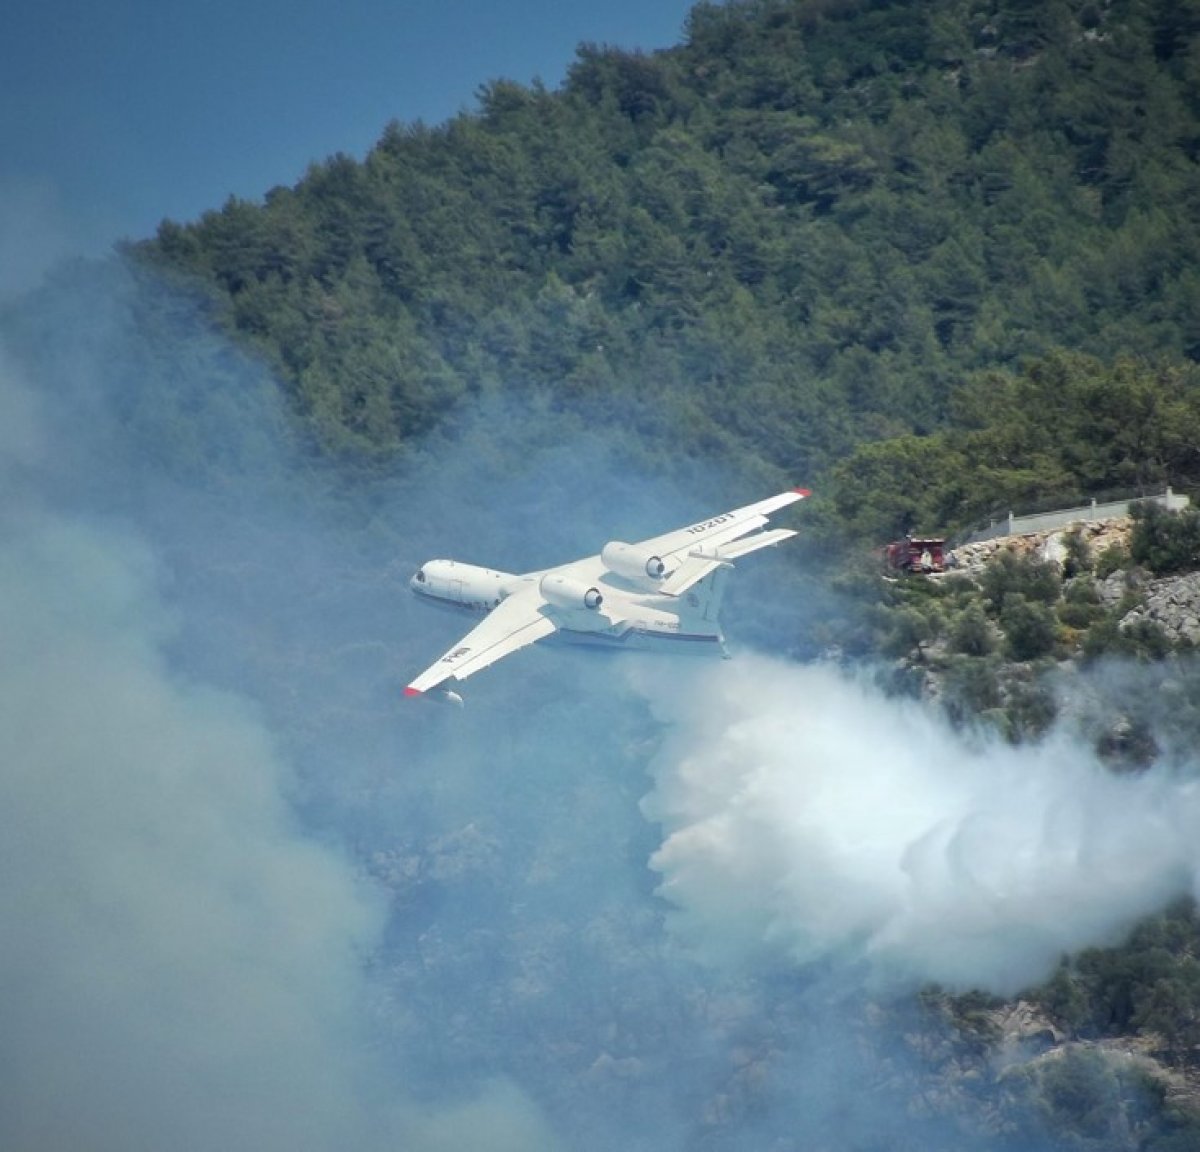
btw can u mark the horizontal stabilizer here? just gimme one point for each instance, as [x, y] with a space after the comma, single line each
[748, 544]
[701, 561]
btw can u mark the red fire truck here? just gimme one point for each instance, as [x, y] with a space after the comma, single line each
[921, 554]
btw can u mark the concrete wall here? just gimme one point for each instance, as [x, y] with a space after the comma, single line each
[1049, 521]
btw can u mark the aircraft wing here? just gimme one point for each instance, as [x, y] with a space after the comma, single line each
[513, 624]
[690, 554]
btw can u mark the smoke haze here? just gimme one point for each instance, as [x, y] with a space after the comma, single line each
[183, 961]
[34, 232]
[165, 925]
[254, 899]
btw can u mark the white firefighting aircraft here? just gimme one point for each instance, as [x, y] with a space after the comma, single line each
[663, 593]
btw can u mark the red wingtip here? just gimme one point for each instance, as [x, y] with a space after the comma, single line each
[803, 491]
[411, 691]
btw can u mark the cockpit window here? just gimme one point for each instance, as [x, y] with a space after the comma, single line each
[420, 575]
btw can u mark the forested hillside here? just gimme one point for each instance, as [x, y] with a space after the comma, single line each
[813, 224]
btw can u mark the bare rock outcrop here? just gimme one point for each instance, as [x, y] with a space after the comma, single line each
[1173, 604]
[1097, 535]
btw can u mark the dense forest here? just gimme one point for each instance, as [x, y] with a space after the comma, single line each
[934, 258]
[869, 245]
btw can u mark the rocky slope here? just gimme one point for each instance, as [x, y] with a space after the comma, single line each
[1081, 585]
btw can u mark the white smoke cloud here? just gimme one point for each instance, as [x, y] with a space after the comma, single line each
[182, 963]
[806, 816]
[178, 965]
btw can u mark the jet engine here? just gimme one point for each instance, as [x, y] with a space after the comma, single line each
[638, 565]
[563, 592]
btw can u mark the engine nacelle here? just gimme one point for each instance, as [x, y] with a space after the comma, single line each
[638, 565]
[563, 592]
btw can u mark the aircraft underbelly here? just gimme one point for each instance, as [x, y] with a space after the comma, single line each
[632, 638]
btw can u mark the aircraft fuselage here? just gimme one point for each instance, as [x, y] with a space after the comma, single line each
[608, 612]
